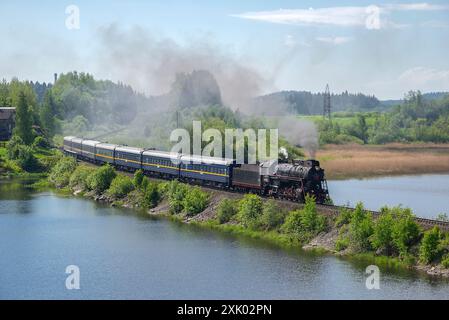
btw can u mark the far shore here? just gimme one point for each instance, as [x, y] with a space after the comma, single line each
[364, 161]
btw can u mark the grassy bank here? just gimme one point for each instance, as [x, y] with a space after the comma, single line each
[394, 239]
[361, 161]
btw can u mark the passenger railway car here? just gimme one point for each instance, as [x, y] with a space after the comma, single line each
[207, 169]
[292, 181]
[128, 157]
[105, 152]
[88, 149]
[161, 163]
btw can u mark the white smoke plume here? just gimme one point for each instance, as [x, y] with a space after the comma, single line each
[300, 133]
[150, 64]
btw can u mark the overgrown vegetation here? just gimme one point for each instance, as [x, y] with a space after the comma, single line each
[414, 120]
[394, 234]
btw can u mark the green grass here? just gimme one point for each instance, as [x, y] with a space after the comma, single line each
[341, 120]
[273, 237]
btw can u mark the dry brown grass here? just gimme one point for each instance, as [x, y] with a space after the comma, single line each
[349, 161]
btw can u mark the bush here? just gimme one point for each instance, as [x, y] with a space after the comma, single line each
[26, 159]
[101, 179]
[41, 142]
[383, 232]
[405, 230]
[61, 172]
[195, 201]
[79, 177]
[342, 243]
[138, 179]
[151, 195]
[226, 210]
[429, 249]
[311, 220]
[250, 210]
[343, 218]
[445, 261]
[120, 186]
[360, 229]
[292, 223]
[306, 222]
[13, 146]
[272, 216]
[176, 193]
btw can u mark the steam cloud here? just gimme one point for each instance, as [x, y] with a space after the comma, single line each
[300, 132]
[150, 64]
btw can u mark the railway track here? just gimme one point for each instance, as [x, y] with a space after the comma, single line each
[329, 210]
[424, 222]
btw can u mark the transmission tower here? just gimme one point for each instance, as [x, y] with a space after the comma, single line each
[327, 103]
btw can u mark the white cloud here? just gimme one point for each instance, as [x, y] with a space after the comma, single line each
[334, 40]
[416, 7]
[369, 17]
[342, 16]
[425, 79]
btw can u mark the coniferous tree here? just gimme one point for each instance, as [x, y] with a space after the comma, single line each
[47, 113]
[24, 120]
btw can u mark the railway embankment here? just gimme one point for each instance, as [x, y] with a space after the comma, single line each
[393, 238]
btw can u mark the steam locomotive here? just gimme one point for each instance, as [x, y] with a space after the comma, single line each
[291, 181]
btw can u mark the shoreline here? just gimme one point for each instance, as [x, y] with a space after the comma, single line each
[322, 244]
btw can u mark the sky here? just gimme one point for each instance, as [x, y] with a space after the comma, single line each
[385, 48]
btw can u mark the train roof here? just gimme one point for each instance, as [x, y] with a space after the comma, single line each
[108, 146]
[161, 154]
[185, 158]
[69, 138]
[77, 140]
[129, 149]
[91, 143]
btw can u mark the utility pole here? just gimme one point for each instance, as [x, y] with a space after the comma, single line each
[327, 103]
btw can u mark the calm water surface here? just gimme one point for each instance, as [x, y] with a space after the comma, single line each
[427, 195]
[125, 255]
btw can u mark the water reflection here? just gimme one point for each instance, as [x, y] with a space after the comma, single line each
[426, 195]
[122, 254]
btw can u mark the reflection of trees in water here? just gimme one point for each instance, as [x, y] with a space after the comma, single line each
[15, 190]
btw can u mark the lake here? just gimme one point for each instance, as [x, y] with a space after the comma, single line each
[427, 195]
[125, 255]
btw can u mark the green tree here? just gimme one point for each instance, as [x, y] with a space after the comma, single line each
[120, 186]
[360, 229]
[226, 210]
[102, 178]
[24, 120]
[405, 230]
[138, 179]
[195, 201]
[383, 232]
[176, 192]
[250, 210]
[62, 171]
[48, 114]
[272, 215]
[151, 195]
[305, 223]
[429, 249]
[310, 219]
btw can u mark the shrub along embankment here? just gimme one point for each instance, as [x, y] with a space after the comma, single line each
[394, 238]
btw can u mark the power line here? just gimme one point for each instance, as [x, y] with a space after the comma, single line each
[327, 103]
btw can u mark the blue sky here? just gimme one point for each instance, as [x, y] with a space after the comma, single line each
[343, 43]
